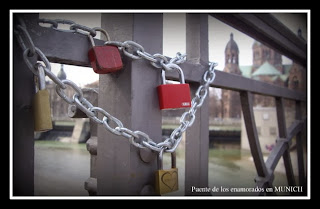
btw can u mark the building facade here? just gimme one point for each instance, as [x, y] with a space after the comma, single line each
[266, 67]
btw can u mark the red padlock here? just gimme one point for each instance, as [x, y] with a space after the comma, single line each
[174, 96]
[104, 59]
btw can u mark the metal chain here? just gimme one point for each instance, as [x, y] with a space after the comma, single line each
[136, 51]
[74, 27]
[114, 125]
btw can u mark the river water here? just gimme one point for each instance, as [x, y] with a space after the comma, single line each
[62, 168]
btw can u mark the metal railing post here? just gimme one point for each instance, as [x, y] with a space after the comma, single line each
[131, 96]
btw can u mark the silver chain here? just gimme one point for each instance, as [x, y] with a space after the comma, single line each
[114, 125]
[136, 51]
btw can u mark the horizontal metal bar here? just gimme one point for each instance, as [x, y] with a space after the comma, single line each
[283, 30]
[194, 73]
[59, 46]
[269, 31]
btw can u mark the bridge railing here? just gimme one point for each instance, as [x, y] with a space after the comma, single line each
[122, 169]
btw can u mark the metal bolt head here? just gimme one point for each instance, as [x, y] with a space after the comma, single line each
[147, 155]
[147, 190]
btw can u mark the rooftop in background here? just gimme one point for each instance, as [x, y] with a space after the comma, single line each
[266, 69]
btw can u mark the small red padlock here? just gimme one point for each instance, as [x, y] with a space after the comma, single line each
[104, 59]
[174, 96]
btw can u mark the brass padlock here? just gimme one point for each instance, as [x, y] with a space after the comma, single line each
[41, 105]
[166, 180]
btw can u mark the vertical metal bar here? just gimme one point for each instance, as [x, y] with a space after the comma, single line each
[283, 134]
[197, 137]
[197, 38]
[113, 163]
[23, 127]
[92, 146]
[247, 109]
[131, 96]
[302, 178]
[281, 118]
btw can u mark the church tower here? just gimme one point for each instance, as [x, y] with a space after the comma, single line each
[262, 54]
[62, 75]
[231, 107]
[59, 108]
[232, 57]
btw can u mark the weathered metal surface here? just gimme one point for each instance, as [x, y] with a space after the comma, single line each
[197, 136]
[23, 127]
[268, 30]
[134, 101]
[282, 128]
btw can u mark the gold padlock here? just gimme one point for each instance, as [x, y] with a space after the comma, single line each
[166, 180]
[41, 105]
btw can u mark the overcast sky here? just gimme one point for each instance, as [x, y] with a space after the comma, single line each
[174, 39]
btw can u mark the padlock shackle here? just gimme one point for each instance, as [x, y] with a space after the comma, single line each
[175, 67]
[160, 160]
[91, 40]
[173, 160]
[104, 32]
[41, 77]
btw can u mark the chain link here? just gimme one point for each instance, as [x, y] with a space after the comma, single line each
[30, 46]
[33, 67]
[114, 125]
[65, 97]
[53, 23]
[129, 47]
[64, 22]
[136, 51]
